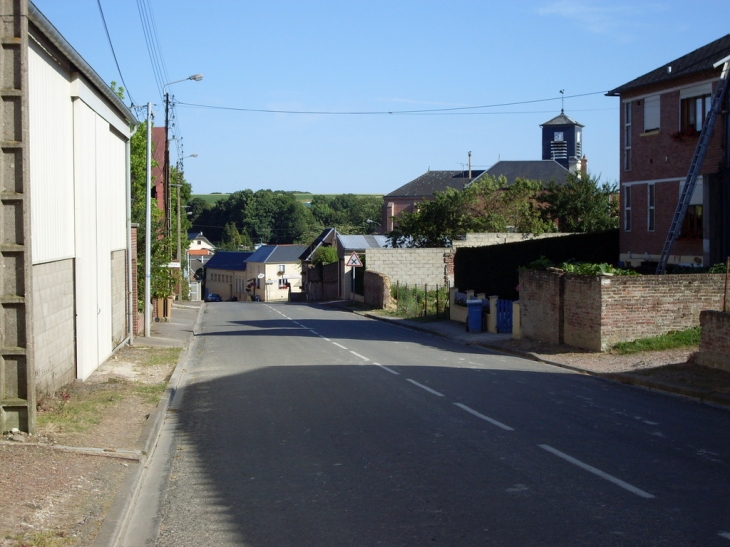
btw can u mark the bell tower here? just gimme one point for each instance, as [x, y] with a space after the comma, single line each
[562, 141]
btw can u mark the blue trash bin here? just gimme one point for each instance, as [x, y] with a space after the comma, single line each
[474, 315]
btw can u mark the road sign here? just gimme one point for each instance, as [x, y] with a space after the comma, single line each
[354, 260]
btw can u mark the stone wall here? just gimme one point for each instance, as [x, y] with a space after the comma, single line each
[597, 312]
[377, 290]
[54, 324]
[715, 344]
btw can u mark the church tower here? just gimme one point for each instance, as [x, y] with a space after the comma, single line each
[562, 141]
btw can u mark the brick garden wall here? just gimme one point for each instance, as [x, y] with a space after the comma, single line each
[715, 344]
[54, 324]
[598, 312]
[540, 306]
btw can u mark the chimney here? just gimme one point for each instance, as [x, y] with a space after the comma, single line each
[584, 165]
[469, 164]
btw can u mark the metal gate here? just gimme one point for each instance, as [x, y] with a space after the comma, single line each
[504, 316]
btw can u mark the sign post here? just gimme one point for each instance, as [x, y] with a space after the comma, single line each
[354, 262]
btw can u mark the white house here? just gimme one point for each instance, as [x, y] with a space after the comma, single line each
[65, 249]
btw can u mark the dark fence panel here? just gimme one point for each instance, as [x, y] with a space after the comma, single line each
[494, 269]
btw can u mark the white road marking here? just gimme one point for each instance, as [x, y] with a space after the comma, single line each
[597, 472]
[297, 323]
[725, 535]
[339, 345]
[360, 356]
[314, 332]
[386, 368]
[483, 417]
[327, 339]
[425, 387]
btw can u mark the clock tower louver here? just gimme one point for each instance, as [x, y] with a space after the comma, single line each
[562, 141]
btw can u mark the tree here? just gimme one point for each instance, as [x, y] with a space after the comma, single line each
[324, 255]
[582, 204]
[487, 205]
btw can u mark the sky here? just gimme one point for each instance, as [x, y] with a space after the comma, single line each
[355, 96]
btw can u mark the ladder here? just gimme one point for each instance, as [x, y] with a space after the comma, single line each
[694, 170]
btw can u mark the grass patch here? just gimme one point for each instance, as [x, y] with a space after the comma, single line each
[42, 539]
[162, 356]
[672, 340]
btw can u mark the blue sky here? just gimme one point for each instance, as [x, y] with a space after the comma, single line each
[375, 57]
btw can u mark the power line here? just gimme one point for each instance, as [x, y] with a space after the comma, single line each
[382, 112]
[116, 61]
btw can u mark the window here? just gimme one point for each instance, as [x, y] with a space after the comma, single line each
[282, 268]
[283, 283]
[627, 208]
[651, 113]
[627, 136]
[692, 225]
[651, 220]
[694, 112]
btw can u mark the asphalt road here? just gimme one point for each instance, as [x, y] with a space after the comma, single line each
[299, 425]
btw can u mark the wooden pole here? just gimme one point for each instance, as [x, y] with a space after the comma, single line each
[724, 298]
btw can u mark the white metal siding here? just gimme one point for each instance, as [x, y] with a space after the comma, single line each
[104, 222]
[87, 332]
[51, 158]
[115, 188]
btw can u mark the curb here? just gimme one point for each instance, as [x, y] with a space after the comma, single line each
[703, 396]
[113, 525]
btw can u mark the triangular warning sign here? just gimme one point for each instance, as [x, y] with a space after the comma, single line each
[354, 260]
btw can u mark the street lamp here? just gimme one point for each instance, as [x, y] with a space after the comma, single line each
[166, 171]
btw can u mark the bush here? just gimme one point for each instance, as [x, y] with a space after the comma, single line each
[324, 255]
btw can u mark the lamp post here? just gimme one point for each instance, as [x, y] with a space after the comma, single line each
[166, 170]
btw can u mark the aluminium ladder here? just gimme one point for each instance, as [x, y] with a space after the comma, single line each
[694, 170]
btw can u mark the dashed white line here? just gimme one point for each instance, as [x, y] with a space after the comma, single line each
[314, 332]
[360, 356]
[483, 417]
[725, 535]
[386, 368]
[597, 472]
[425, 387]
[339, 345]
[326, 339]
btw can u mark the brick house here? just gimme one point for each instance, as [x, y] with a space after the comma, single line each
[662, 113]
[562, 153]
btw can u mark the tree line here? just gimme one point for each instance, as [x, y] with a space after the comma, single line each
[248, 217]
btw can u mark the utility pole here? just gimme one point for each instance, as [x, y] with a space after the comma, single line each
[148, 227]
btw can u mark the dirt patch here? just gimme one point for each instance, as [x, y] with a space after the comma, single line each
[54, 496]
[674, 367]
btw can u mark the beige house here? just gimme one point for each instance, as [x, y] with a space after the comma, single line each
[224, 274]
[272, 270]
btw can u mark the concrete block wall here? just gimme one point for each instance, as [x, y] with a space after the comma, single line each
[487, 239]
[54, 325]
[410, 266]
[715, 344]
[119, 297]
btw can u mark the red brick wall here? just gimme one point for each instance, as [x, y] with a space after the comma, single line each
[583, 309]
[599, 312]
[715, 344]
[657, 156]
[540, 305]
